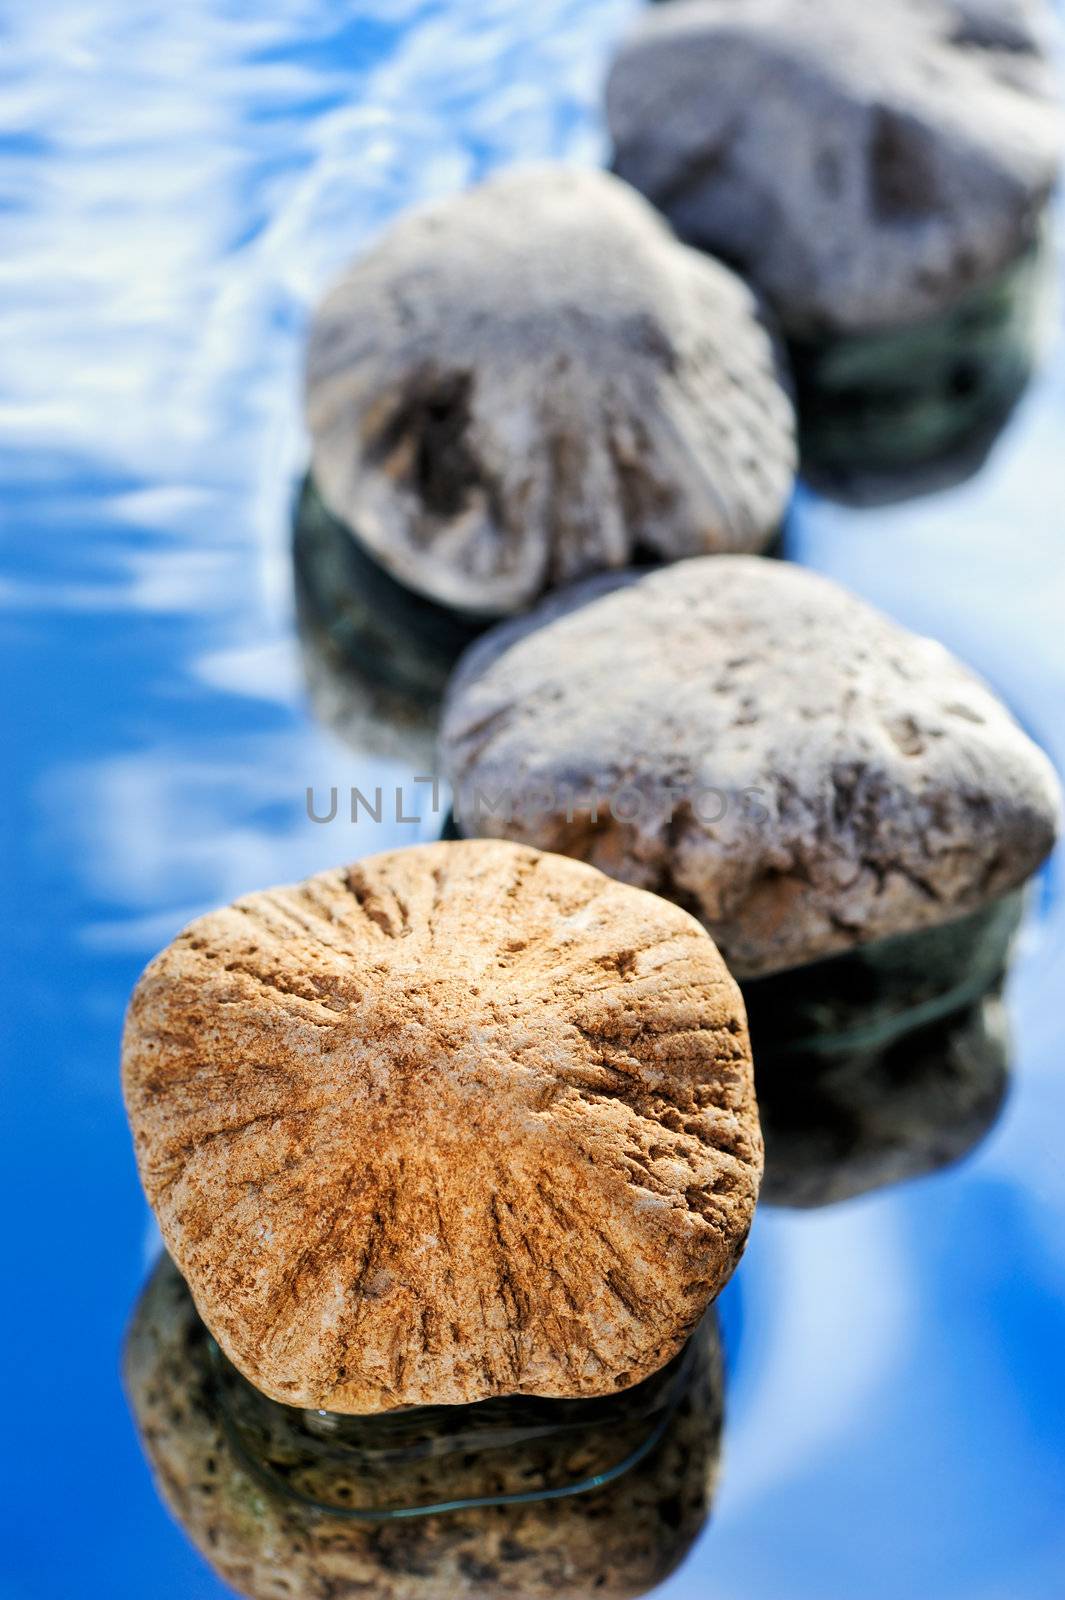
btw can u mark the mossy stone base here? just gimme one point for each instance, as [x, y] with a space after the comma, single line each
[616, 1540]
[421, 1460]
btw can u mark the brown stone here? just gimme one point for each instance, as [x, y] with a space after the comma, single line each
[460, 1121]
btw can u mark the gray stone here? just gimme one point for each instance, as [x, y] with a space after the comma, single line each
[802, 774]
[534, 381]
[863, 165]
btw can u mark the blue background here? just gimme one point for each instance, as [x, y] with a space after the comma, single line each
[181, 183]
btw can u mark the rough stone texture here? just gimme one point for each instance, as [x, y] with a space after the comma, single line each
[863, 165]
[840, 1127]
[869, 783]
[462, 1120]
[534, 381]
[617, 1541]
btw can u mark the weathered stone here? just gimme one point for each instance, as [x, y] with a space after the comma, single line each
[618, 1540]
[534, 381]
[767, 750]
[863, 165]
[460, 1121]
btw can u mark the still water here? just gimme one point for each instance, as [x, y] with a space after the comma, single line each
[181, 182]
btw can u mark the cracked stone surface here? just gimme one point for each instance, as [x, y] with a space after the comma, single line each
[799, 772]
[534, 381]
[617, 1541]
[863, 165]
[461, 1120]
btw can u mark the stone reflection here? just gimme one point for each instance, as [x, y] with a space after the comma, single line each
[886, 417]
[376, 655]
[290, 1505]
[840, 1123]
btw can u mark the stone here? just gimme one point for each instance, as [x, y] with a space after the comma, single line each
[534, 381]
[864, 166]
[760, 746]
[462, 1120]
[618, 1540]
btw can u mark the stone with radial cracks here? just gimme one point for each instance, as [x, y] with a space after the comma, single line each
[534, 381]
[459, 1121]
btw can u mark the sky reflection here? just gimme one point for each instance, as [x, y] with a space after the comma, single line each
[183, 182]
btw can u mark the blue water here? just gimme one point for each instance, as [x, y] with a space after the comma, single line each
[179, 183]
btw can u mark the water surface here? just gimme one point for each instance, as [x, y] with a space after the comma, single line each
[181, 183]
